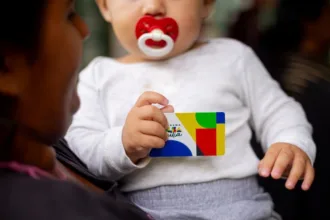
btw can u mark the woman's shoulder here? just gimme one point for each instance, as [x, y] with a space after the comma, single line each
[25, 198]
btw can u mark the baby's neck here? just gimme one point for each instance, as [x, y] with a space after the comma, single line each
[131, 58]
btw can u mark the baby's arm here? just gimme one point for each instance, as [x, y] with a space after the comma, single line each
[279, 121]
[97, 144]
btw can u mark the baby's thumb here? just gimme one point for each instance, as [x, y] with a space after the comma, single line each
[168, 109]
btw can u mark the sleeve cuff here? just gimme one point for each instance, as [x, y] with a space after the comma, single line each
[118, 158]
[304, 143]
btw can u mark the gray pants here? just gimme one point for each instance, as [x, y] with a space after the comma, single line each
[241, 199]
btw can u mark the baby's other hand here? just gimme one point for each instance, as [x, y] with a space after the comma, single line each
[288, 160]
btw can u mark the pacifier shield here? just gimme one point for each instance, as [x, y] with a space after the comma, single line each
[148, 23]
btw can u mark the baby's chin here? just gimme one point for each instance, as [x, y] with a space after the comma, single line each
[135, 55]
[177, 51]
[167, 57]
[157, 58]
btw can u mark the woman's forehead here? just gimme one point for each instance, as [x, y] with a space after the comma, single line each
[61, 3]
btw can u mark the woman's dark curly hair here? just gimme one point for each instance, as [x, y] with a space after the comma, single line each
[20, 23]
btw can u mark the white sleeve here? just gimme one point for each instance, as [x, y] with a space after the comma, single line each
[275, 116]
[97, 144]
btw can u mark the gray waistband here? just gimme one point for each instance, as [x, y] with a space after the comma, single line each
[223, 191]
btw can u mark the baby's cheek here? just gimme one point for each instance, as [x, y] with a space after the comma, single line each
[189, 32]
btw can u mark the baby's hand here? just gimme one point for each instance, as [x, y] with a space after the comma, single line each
[284, 159]
[145, 126]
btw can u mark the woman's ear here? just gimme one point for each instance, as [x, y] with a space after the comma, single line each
[208, 7]
[13, 75]
[104, 9]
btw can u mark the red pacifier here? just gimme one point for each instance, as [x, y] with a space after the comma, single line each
[156, 37]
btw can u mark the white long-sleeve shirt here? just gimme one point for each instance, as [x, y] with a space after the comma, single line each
[223, 75]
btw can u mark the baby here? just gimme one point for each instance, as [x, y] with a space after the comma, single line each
[118, 123]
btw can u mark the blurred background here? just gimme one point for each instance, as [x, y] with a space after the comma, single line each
[292, 39]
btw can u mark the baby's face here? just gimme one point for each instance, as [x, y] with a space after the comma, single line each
[124, 15]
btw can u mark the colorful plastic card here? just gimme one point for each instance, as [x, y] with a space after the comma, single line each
[194, 134]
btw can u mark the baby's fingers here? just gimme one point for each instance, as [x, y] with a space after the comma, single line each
[149, 142]
[284, 160]
[149, 98]
[297, 172]
[266, 165]
[153, 128]
[168, 109]
[309, 177]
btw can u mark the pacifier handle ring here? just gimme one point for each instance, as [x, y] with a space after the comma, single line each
[152, 52]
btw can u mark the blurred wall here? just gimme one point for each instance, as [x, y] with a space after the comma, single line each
[98, 42]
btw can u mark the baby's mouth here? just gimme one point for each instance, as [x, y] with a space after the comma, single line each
[156, 37]
[156, 44]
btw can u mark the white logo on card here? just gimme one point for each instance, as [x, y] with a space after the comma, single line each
[174, 130]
